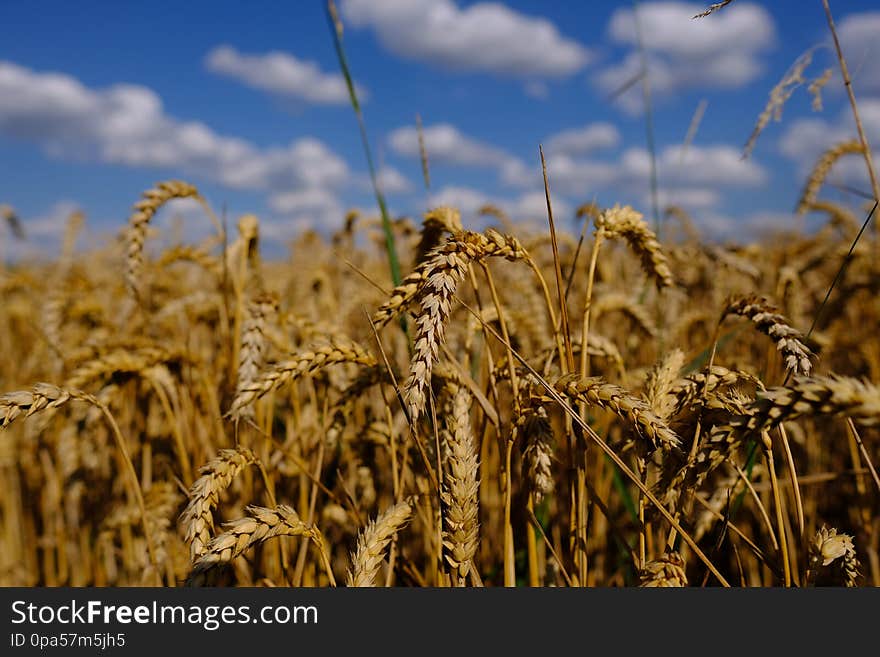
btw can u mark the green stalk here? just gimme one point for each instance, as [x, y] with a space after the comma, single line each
[391, 249]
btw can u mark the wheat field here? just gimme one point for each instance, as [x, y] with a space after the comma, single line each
[693, 414]
[628, 405]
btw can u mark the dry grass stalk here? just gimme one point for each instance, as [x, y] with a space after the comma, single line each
[144, 210]
[373, 541]
[767, 320]
[461, 494]
[204, 495]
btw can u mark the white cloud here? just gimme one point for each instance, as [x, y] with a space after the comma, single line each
[717, 165]
[690, 198]
[586, 139]
[530, 206]
[683, 53]
[392, 181]
[281, 74]
[806, 139]
[127, 125]
[858, 37]
[445, 143]
[713, 165]
[486, 37]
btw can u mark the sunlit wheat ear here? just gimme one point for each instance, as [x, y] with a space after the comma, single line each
[444, 269]
[307, 362]
[373, 541]
[814, 396]
[216, 476]
[839, 216]
[42, 396]
[144, 210]
[833, 559]
[827, 396]
[624, 222]
[194, 254]
[260, 525]
[820, 171]
[537, 459]
[690, 391]
[660, 381]
[253, 345]
[461, 493]
[436, 222]
[667, 571]
[767, 320]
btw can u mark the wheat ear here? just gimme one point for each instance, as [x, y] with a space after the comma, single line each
[305, 363]
[667, 571]
[624, 222]
[767, 320]
[258, 526]
[444, 269]
[144, 210]
[372, 541]
[595, 391]
[204, 494]
[461, 495]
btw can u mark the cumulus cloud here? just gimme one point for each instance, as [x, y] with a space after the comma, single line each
[805, 139]
[583, 140]
[530, 206]
[682, 53]
[127, 125]
[712, 166]
[484, 37]
[858, 37]
[445, 143]
[392, 181]
[281, 74]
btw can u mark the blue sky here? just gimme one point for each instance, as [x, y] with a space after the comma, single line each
[99, 100]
